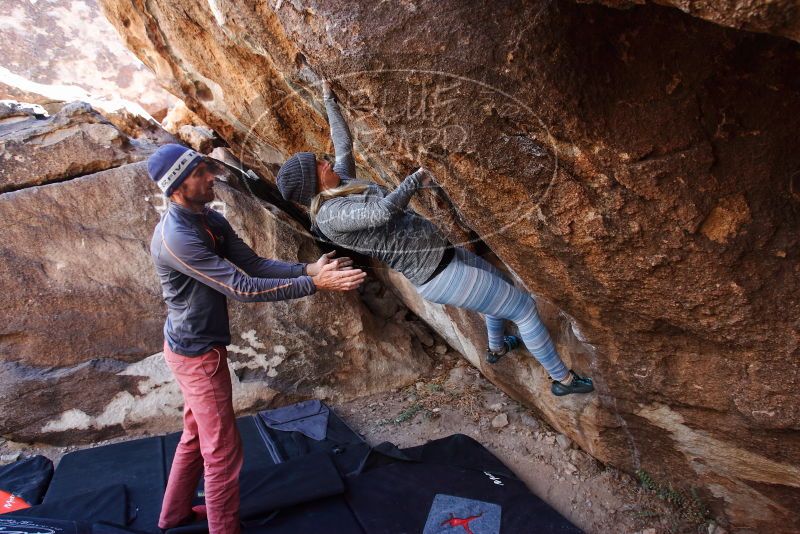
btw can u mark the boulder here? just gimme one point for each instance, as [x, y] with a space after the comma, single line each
[636, 169]
[76, 140]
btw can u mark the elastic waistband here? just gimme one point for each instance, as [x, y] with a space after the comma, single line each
[447, 257]
[218, 348]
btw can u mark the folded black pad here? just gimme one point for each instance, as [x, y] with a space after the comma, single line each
[323, 515]
[294, 482]
[106, 504]
[308, 427]
[138, 464]
[265, 491]
[142, 465]
[445, 486]
[23, 483]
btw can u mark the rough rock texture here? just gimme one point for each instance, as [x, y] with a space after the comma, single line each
[183, 123]
[77, 140]
[178, 116]
[777, 17]
[636, 168]
[81, 325]
[143, 129]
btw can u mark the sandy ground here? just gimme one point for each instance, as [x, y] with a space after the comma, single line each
[455, 398]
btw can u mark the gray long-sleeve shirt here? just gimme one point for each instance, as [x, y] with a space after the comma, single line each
[200, 261]
[378, 223]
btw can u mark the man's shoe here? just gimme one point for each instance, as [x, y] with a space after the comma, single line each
[509, 343]
[579, 384]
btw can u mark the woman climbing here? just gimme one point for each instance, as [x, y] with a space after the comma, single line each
[364, 217]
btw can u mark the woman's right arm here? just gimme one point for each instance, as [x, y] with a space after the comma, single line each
[347, 214]
[341, 136]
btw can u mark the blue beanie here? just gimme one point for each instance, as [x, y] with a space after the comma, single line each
[297, 179]
[170, 165]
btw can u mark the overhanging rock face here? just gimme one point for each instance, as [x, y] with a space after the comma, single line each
[637, 169]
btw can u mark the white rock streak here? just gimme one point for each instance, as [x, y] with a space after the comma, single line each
[158, 405]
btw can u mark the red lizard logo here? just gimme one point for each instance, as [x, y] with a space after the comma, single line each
[459, 522]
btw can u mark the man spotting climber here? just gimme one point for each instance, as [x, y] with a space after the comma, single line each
[201, 261]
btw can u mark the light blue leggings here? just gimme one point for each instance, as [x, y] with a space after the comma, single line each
[473, 283]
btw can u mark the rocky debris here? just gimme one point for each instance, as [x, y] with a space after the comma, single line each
[564, 442]
[500, 421]
[456, 377]
[596, 498]
[12, 112]
[77, 140]
[529, 422]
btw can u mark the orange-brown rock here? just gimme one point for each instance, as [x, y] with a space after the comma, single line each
[183, 123]
[638, 169]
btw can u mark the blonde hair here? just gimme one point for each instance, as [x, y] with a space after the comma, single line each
[334, 192]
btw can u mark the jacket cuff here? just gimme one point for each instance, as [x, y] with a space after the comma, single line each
[416, 178]
[311, 285]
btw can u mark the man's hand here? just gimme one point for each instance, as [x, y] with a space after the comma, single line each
[330, 278]
[314, 268]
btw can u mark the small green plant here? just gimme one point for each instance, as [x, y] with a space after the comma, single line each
[687, 506]
[645, 513]
[408, 413]
[645, 480]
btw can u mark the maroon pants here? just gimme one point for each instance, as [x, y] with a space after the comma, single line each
[210, 443]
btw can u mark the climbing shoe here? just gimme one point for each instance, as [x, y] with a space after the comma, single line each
[509, 343]
[579, 384]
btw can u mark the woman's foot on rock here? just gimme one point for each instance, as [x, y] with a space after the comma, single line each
[509, 343]
[574, 383]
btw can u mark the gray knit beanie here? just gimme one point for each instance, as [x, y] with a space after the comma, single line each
[297, 179]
